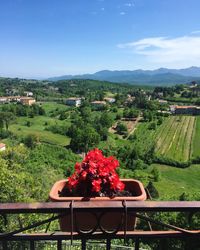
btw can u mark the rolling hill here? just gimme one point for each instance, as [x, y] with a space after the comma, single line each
[162, 76]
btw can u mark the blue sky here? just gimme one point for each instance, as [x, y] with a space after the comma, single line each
[43, 38]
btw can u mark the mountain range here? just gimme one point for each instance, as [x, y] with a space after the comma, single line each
[161, 76]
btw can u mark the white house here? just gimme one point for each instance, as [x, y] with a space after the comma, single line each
[28, 93]
[3, 99]
[109, 99]
[73, 101]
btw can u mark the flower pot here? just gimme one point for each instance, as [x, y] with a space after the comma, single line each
[106, 222]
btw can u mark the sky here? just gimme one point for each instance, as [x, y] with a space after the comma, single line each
[45, 38]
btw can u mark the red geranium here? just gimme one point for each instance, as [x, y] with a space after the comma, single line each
[95, 176]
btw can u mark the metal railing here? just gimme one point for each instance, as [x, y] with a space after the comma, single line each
[143, 210]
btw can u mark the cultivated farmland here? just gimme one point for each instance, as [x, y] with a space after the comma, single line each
[196, 139]
[175, 138]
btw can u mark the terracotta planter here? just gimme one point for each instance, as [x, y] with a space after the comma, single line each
[109, 221]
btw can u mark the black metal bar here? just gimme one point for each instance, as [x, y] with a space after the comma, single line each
[108, 244]
[163, 244]
[59, 244]
[137, 244]
[5, 245]
[83, 244]
[3, 235]
[72, 220]
[125, 219]
[63, 208]
[146, 218]
[32, 245]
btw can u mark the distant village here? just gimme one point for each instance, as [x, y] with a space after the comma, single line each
[28, 99]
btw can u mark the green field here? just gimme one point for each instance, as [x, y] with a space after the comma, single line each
[175, 181]
[51, 106]
[196, 139]
[38, 127]
[175, 138]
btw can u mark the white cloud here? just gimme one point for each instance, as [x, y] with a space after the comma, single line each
[102, 9]
[122, 13]
[181, 51]
[195, 32]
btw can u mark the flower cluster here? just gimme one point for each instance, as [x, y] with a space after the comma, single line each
[95, 176]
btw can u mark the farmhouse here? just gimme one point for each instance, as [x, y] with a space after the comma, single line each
[28, 93]
[3, 99]
[6, 99]
[27, 100]
[109, 99]
[162, 102]
[73, 101]
[2, 147]
[160, 94]
[187, 110]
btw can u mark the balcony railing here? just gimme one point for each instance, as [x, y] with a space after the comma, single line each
[142, 210]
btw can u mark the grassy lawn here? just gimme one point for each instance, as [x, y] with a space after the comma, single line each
[51, 106]
[38, 127]
[175, 181]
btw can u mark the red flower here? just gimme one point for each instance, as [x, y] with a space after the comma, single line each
[72, 181]
[96, 174]
[96, 185]
[84, 175]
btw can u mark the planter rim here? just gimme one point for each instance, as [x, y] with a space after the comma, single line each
[53, 195]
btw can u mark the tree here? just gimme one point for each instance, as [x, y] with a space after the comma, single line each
[155, 174]
[106, 120]
[84, 139]
[139, 164]
[160, 120]
[152, 126]
[152, 190]
[130, 113]
[147, 115]
[28, 123]
[118, 116]
[121, 128]
[31, 140]
[1, 123]
[86, 114]
[7, 117]
[41, 111]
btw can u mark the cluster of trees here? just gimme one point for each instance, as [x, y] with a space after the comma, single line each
[23, 110]
[88, 129]
[121, 128]
[171, 162]
[130, 113]
[58, 129]
[90, 89]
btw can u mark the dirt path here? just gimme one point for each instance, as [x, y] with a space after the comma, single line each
[133, 127]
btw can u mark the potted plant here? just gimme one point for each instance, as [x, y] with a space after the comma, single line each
[95, 179]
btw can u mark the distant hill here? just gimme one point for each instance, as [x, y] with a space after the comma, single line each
[162, 76]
